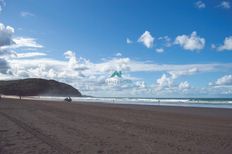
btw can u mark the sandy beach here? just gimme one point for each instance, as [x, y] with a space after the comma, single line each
[44, 127]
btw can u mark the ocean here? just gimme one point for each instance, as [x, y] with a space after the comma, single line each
[184, 102]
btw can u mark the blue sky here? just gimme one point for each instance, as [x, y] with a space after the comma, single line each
[163, 48]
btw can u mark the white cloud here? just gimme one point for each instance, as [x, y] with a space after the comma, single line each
[177, 73]
[118, 54]
[26, 14]
[30, 54]
[91, 77]
[141, 84]
[128, 41]
[164, 82]
[115, 64]
[184, 85]
[75, 64]
[163, 42]
[227, 44]
[167, 41]
[39, 67]
[166, 85]
[4, 66]
[192, 42]
[126, 64]
[70, 55]
[120, 83]
[168, 81]
[8, 42]
[200, 4]
[72, 58]
[6, 33]
[213, 46]
[22, 42]
[224, 5]
[159, 50]
[215, 91]
[2, 5]
[84, 74]
[223, 81]
[137, 66]
[147, 39]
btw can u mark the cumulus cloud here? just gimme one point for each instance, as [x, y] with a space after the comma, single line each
[184, 85]
[6, 33]
[91, 77]
[224, 5]
[26, 14]
[192, 42]
[71, 56]
[223, 81]
[167, 84]
[147, 39]
[141, 84]
[164, 82]
[4, 66]
[129, 41]
[106, 67]
[200, 4]
[168, 81]
[227, 45]
[39, 67]
[9, 43]
[74, 63]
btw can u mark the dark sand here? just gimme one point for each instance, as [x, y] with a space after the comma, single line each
[32, 127]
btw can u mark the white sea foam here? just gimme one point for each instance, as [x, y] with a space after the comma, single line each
[217, 103]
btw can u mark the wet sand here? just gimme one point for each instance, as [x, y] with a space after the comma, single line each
[44, 127]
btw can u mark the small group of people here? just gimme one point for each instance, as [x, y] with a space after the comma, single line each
[68, 99]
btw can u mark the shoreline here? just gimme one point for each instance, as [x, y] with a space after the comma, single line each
[116, 101]
[32, 126]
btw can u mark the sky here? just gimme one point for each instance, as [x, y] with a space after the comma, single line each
[164, 48]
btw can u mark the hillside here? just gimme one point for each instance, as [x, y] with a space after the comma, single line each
[37, 87]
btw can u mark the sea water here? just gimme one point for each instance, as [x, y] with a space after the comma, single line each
[184, 102]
